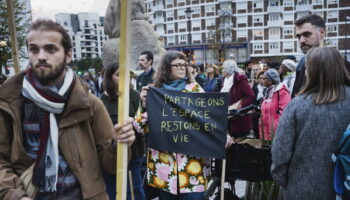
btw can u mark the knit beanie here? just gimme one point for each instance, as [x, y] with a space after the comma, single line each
[290, 64]
[273, 75]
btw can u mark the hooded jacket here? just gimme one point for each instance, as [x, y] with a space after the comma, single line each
[85, 132]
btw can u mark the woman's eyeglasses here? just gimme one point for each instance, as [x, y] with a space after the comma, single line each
[180, 66]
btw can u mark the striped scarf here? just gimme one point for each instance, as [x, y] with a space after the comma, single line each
[46, 167]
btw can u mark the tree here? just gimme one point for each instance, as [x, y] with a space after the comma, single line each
[87, 63]
[22, 24]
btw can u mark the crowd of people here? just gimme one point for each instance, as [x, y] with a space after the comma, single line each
[62, 129]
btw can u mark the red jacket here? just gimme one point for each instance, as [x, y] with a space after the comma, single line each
[269, 116]
[241, 90]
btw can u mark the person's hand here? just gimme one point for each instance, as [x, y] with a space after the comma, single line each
[26, 198]
[124, 133]
[143, 94]
[229, 141]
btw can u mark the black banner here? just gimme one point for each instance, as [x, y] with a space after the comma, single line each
[189, 123]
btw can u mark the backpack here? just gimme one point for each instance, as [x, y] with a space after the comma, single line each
[341, 158]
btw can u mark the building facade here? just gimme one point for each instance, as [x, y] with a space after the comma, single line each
[86, 31]
[244, 29]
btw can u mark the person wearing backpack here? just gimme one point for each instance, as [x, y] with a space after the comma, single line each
[310, 128]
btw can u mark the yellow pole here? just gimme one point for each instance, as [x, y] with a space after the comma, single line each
[123, 99]
[12, 28]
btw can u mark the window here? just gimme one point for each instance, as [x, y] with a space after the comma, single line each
[288, 3]
[332, 42]
[274, 46]
[182, 25]
[170, 14]
[171, 39]
[332, 1]
[332, 14]
[241, 33]
[196, 10]
[274, 3]
[196, 36]
[169, 2]
[288, 16]
[183, 38]
[210, 8]
[288, 31]
[170, 27]
[258, 46]
[288, 45]
[181, 1]
[242, 19]
[274, 17]
[258, 18]
[181, 12]
[210, 22]
[319, 13]
[258, 33]
[241, 5]
[317, 2]
[196, 24]
[258, 4]
[225, 6]
[332, 28]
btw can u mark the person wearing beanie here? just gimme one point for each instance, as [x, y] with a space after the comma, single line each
[241, 94]
[287, 71]
[276, 98]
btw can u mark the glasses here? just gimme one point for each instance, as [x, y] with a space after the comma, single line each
[180, 66]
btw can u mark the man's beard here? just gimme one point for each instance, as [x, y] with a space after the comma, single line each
[51, 76]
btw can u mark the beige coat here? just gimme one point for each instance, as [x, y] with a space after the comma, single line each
[85, 132]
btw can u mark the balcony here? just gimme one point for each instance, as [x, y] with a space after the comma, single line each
[225, 12]
[303, 8]
[158, 8]
[278, 23]
[158, 21]
[226, 26]
[224, 1]
[275, 9]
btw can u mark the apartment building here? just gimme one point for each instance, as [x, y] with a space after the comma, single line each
[86, 31]
[244, 29]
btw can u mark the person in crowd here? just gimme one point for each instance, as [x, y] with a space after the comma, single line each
[253, 79]
[310, 128]
[240, 94]
[100, 77]
[193, 69]
[248, 67]
[287, 73]
[110, 100]
[172, 73]
[275, 99]
[145, 62]
[89, 82]
[310, 30]
[258, 90]
[52, 128]
[212, 81]
[201, 71]
[3, 78]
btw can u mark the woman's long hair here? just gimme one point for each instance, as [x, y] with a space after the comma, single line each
[163, 71]
[326, 75]
[109, 85]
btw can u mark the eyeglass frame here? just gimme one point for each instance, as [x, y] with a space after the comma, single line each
[180, 66]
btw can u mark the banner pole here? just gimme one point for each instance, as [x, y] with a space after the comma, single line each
[13, 33]
[123, 97]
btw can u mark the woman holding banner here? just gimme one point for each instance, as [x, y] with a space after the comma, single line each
[178, 176]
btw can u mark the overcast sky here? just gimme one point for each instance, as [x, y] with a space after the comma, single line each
[48, 8]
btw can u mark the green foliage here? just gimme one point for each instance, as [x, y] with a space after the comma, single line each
[88, 63]
[22, 25]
